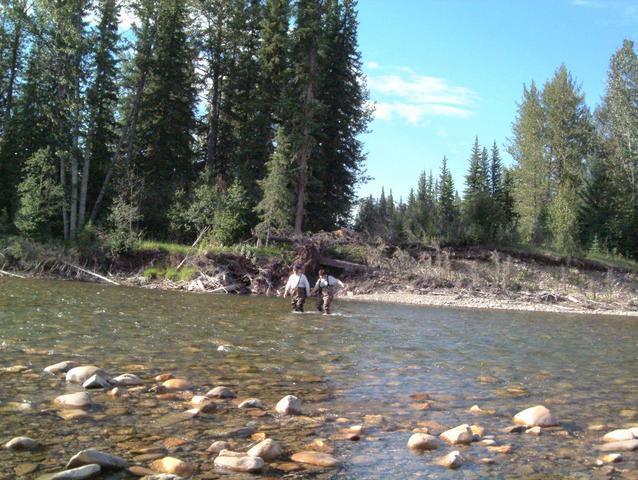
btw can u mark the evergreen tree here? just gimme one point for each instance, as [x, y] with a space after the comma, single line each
[567, 136]
[496, 174]
[447, 205]
[618, 121]
[531, 172]
[275, 207]
[166, 119]
[101, 104]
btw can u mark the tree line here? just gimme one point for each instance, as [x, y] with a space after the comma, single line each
[240, 115]
[573, 186]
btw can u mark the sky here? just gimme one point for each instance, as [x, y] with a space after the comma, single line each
[441, 72]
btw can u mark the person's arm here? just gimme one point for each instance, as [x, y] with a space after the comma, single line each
[287, 287]
[337, 281]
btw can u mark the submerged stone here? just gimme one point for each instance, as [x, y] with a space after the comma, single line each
[315, 458]
[73, 400]
[538, 416]
[423, 441]
[451, 460]
[458, 435]
[61, 367]
[79, 473]
[172, 465]
[22, 444]
[244, 463]
[105, 460]
[83, 373]
[289, 405]
[268, 450]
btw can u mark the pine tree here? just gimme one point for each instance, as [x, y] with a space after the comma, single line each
[531, 172]
[567, 136]
[276, 205]
[164, 142]
[618, 120]
[101, 104]
[447, 206]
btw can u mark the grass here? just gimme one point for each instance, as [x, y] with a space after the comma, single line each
[163, 247]
[184, 274]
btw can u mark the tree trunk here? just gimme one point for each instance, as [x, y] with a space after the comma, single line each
[15, 49]
[86, 170]
[127, 132]
[214, 110]
[65, 218]
[302, 156]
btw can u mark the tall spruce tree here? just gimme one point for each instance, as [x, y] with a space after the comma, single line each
[447, 205]
[531, 170]
[166, 118]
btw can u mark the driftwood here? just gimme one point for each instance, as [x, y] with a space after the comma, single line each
[9, 274]
[88, 272]
[199, 237]
[349, 267]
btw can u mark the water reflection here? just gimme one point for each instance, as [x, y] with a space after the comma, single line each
[369, 360]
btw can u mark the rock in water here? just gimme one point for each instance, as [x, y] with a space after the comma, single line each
[618, 435]
[73, 400]
[240, 464]
[451, 460]
[289, 405]
[458, 435]
[161, 476]
[251, 403]
[127, 380]
[22, 444]
[538, 416]
[172, 465]
[221, 392]
[83, 373]
[97, 381]
[61, 367]
[218, 446]
[177, 384]
[423, 441]
[105, 460]
[622, 446]
[315, 458]
[80, 473]
[268, 450]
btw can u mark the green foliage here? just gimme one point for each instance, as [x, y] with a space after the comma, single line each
[230, 222]
[41, 196]
[275, 207]
[172, 248]
[189, 214]
[123, 219]
[184, 274]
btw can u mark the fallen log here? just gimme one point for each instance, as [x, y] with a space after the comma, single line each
[9, 274]
[88, 272]
[344, 265]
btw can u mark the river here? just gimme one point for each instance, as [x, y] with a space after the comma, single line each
[364, 361]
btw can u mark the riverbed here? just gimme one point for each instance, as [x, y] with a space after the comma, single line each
[393, 369]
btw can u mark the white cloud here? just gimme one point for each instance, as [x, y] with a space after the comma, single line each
[373, 65]
[587, 3]
[402, 93]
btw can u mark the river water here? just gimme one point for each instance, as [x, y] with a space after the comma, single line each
[364, 361]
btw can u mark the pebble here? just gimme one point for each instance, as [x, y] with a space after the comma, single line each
[80, 473]
[104, 460]
[251, 403]
[22, 444]
[242, 463]
[500, 449]
[534, 430]
[618, 435]
[268, 450]
[289, 405]
[61, 367]
[203, 403]
[621, 446]
[177, 384]
[74, 400]
[458, 435]
[423, 441]
[172, 465]
[538, 416]
[127, 380]
[451, 460]
[83, 373]
[221, 392]
[72, 414]
[315, 458]
[218, 446]
[97, 381]
[23, 469]
[163, 377]
[161, 476]
[612, 458]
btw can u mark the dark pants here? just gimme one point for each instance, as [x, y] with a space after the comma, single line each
[298, 299]
[324, 299]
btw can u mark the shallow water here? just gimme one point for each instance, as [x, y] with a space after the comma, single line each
[368, 359]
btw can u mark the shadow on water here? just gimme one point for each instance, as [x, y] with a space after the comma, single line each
[368, 360]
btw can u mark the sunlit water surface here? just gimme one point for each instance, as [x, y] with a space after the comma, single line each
[368, 359]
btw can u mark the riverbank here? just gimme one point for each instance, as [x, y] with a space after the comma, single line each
[475, 278]
[485, 302]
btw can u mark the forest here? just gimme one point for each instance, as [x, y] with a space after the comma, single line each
[572, 187]
[243, 118]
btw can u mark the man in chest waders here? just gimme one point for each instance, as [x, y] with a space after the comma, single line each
[299, 287]
[325, 288]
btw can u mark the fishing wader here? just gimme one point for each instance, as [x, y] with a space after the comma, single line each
[298, 299]
[324, 299]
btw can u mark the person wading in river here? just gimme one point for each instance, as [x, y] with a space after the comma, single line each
[325, 290]
[299, 286]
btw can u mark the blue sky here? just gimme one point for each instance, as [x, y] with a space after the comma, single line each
[443, 71]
